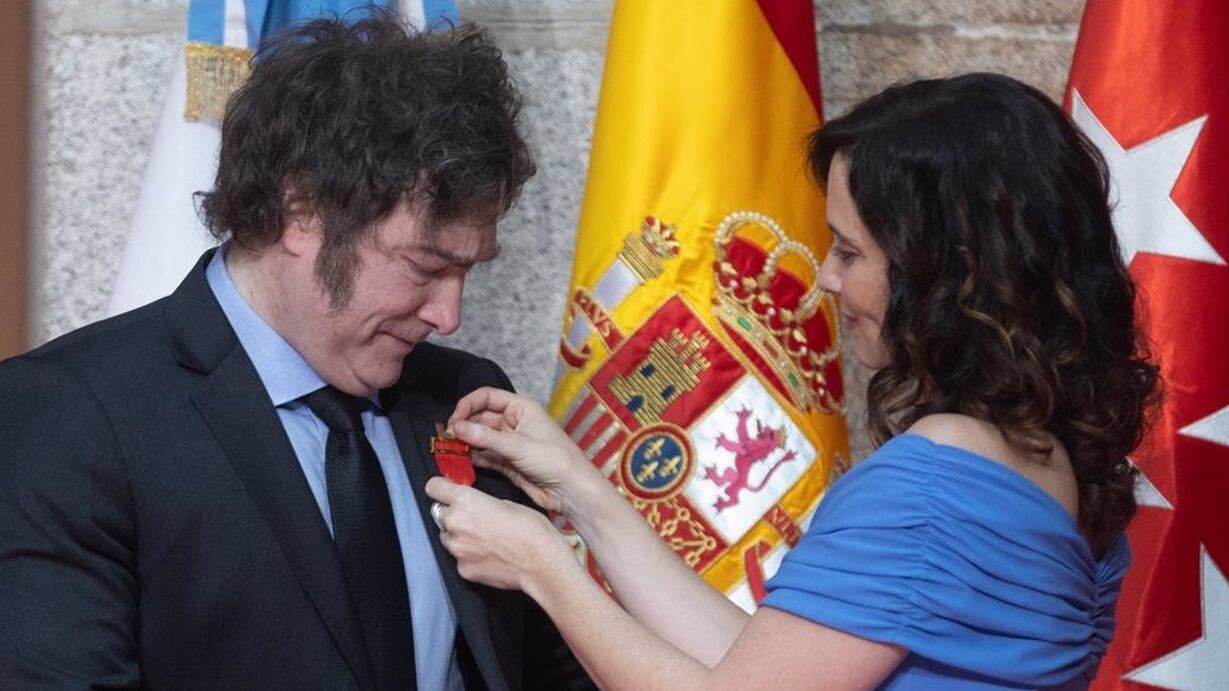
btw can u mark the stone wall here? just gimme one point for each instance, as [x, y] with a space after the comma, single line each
[102, 69]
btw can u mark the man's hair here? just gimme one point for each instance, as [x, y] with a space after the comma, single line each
[1008, 298]
[354, 118]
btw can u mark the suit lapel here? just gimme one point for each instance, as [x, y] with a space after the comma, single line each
[237, 409]
[413, 426]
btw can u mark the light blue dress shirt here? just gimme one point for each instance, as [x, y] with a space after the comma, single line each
[287, 377]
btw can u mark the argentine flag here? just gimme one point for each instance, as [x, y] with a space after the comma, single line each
[166, 236]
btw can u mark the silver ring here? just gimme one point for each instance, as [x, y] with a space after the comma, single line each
[436, 509]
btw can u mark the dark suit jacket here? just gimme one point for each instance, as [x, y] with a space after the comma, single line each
[156, 529]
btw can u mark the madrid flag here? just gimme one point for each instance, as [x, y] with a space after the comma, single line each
[698, 363]
[1148, 86]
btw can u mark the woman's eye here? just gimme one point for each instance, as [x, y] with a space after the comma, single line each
[843, 255]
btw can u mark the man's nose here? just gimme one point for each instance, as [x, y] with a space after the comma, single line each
[443, 310]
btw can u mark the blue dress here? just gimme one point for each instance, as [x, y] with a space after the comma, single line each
[962, 561]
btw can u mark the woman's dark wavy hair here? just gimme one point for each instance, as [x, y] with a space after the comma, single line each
[1008, 298]
[353, 118]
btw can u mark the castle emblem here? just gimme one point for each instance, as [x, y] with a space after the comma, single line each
[672, 367]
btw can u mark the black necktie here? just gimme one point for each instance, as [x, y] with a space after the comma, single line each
[366, 538]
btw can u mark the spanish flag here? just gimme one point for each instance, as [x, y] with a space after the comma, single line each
[699, 362]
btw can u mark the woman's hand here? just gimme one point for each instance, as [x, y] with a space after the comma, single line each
[515, 436]
[496, 542]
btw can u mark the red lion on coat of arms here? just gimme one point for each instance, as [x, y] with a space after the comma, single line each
[748, 450]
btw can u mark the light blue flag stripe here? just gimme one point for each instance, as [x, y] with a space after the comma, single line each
[206, 18]
[439, 13]
[205, 21]
[267, 17]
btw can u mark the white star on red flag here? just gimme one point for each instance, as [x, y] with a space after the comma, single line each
[1146, 493]
[1145, 216]
[1213, 428]
[1202, 663]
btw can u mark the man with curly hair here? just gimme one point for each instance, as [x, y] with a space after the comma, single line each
[224, 488]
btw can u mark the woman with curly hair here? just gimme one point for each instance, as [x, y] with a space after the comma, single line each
[981, 546]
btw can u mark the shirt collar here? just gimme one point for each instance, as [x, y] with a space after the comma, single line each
[283, 371]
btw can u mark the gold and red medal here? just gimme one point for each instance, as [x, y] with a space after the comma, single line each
[452, 457]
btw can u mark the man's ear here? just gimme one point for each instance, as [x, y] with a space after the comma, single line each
[302, 230]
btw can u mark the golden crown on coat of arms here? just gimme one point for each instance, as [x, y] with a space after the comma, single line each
[774, 315]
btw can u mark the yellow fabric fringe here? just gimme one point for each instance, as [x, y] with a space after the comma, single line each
[214, 73]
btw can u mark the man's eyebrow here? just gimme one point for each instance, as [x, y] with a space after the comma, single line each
[457, 259]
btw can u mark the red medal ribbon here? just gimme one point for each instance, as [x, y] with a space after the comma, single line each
[452, 457]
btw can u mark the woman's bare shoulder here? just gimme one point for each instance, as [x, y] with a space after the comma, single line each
[1053, 473]
[964, 432]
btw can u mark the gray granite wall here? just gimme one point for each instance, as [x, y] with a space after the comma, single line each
[102, 68]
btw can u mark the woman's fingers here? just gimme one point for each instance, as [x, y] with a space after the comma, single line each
[492, 461]
[483, 399]
[489, 418]
[454, 503]
[484, 458]
[507, 444]
[445, 491]
[495, 542]
[449, 542]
